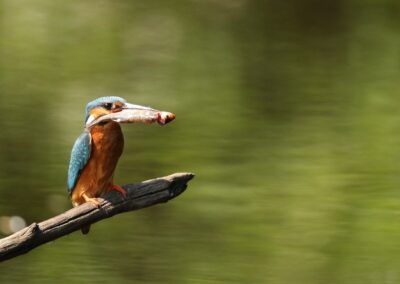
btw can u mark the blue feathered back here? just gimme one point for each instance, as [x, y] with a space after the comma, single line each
[79, 157]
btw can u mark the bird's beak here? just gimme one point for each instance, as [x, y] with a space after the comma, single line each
[131, 113]
[129, 106]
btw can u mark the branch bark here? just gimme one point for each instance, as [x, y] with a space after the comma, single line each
[141, 195]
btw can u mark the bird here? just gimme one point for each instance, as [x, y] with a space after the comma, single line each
[96, 151]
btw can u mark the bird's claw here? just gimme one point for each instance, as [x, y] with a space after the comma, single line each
[121, 190]
[92, 200]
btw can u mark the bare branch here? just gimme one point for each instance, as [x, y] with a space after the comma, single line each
[140, 195]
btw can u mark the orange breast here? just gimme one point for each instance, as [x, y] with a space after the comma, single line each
[97, 176]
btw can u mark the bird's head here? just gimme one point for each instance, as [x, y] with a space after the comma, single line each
[118, 109]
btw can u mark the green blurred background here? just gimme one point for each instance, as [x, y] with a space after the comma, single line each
[287, 111]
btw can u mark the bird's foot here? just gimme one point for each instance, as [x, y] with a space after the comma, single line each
[118, 188]
[92, 200]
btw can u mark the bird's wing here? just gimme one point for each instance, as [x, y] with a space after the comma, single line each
[79, 157]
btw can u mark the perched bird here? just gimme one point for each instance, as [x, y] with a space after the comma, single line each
[96, 151]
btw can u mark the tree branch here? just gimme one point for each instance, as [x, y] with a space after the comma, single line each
[139, 196]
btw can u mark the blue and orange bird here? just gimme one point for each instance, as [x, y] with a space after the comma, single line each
[96, 151]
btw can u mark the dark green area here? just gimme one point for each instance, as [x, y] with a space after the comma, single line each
[287, 111]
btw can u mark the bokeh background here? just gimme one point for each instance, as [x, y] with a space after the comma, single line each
[287, 111]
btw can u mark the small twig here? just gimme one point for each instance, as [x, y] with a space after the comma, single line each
[139, 196]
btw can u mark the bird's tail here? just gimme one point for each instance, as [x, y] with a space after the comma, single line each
[85, 229]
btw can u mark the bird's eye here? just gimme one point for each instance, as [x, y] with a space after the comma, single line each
[108, 106]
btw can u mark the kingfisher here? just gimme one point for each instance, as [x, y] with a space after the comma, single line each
[97, 150]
